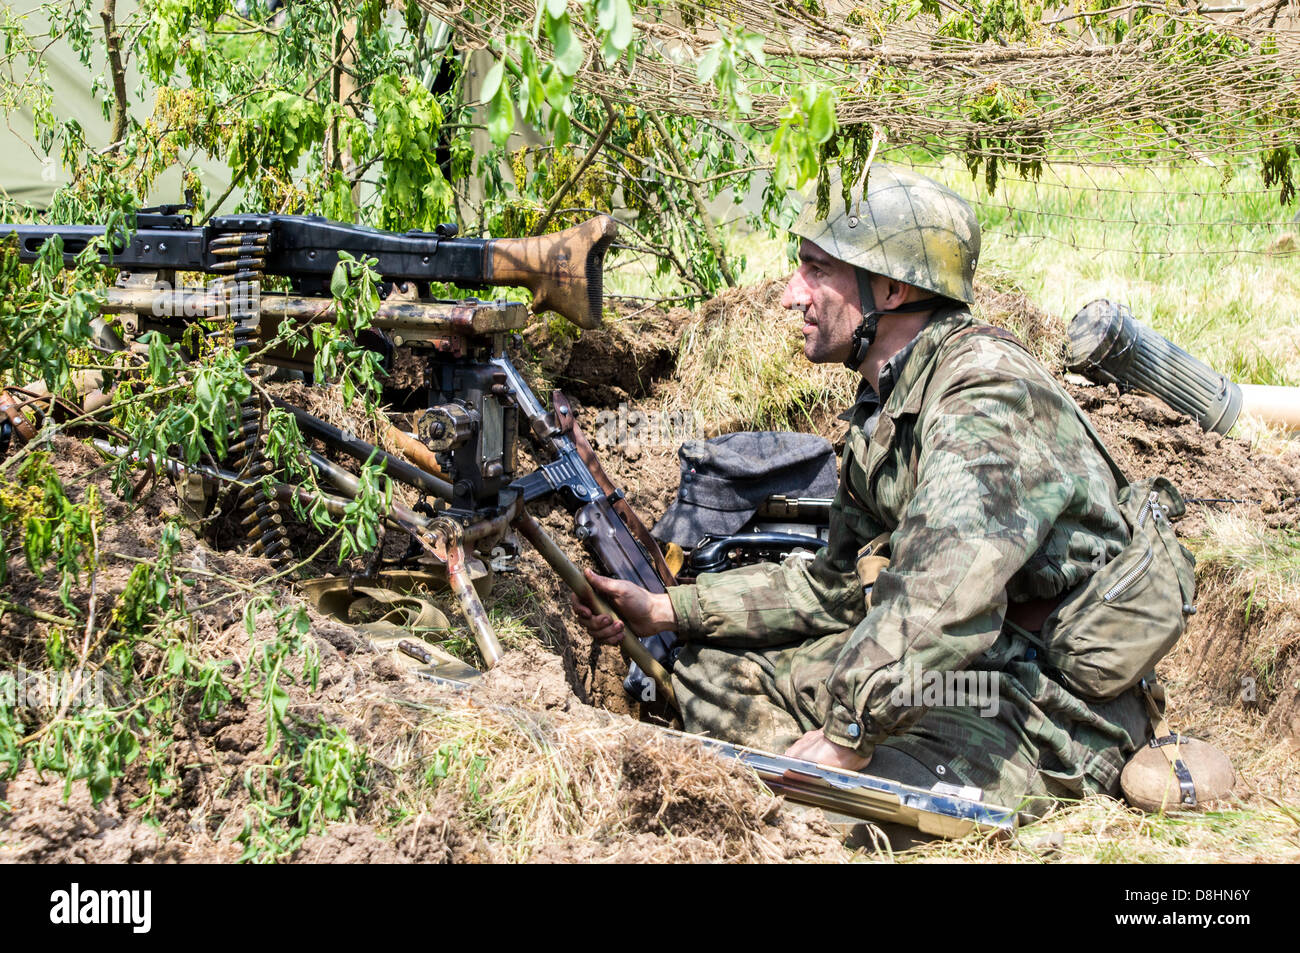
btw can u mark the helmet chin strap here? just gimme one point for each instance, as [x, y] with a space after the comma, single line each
[865, 333]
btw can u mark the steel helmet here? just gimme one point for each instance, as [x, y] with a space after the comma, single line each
[905, 227]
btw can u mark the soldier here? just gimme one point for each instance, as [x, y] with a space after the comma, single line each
[969, 465]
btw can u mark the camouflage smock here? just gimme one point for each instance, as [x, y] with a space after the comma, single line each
[991, 490]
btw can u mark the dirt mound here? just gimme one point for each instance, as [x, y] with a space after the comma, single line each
[45, 828]
[622, 360]
[716, 812]
[519, 769]
[420, 840]
[1043, 333]
[531, 677]
[1147, 438]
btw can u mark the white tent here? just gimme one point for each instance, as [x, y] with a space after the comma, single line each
[26, 173]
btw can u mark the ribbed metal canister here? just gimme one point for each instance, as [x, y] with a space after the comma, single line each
[1109, 345]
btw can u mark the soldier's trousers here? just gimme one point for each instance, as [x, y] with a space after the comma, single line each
[1033, 740]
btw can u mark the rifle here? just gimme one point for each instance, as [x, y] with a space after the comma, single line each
[944, 810]
[465, 452]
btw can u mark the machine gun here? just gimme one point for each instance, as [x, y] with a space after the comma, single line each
[476, 404]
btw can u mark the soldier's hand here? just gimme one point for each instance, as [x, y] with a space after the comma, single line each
[645, 612]
[815, 747]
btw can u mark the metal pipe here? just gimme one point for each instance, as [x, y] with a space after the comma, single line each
[444, 318]
[461, 584]
[413, 450]
[573, 578]
[412, 522]
[363, 451]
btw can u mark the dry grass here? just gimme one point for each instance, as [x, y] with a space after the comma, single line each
[530, 785]
[741, 367]
[1249, 580]
[1258, 823]
[521, 784]
[1101, 830]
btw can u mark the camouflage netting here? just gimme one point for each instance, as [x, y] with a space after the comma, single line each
[998, 81]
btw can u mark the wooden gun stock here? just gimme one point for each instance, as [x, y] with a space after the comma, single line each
[562, 270]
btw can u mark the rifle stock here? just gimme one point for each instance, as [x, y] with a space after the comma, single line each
[563, 270]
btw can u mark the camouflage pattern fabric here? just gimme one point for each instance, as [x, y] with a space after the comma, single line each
[991, 492]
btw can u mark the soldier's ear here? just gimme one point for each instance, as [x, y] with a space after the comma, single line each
[888, 292]
[897, 294]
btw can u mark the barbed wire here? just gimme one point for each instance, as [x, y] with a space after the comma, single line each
[1143, 128]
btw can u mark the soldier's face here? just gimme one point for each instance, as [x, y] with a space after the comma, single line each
[826, 290]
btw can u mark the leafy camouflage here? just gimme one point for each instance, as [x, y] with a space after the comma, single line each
[906, 227]
[991, 489]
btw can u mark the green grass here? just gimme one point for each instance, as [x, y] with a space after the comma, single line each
[1105, 831]
[1209, 263]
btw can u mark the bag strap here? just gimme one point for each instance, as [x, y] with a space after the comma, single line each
[989, 330]
[1162, 737]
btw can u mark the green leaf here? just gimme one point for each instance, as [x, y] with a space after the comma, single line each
[708, 64]
[556, 8]
[128, 746]
[821, 121]
[175, 659]
[500, 118]
[621, 34]
[100, 782]
[492, 82]
[339, 281]
[606, 14]
[568, 51]
[562, 129]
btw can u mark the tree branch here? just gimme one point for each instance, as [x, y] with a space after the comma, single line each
[113, 40]
[576, 174]
[701, 207]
